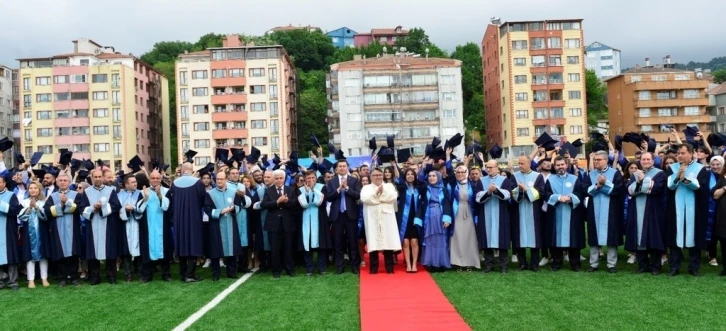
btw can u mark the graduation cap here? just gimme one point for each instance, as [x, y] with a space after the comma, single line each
[372, 145]
[238, 154]
[389, 141]
[82, 175]
[404, 155]
[164, 166]
[496, 151]
[599, 146]
[135, 163]
[190, 156]
[619, 142]
[75, 164]
[455, 141]
[314, 140]
[428, 150]
[577, 143]
[436, 142]
[88, 164]
[385, 154]
[325, 166]
[5, 144]
[19, 158]
[208, 169]
[691, 132]
[568, 148]
[253, 156]
[438, 153]
[221, 154]
[99, 163]
[39, 173]
[65, 157]
[35, 158]
[292, 164]
[276, 159]
[546, 141]
[652, 145]
[230, 162]
[716, 139]
[596, 135]
[331, 148]
[633, 138]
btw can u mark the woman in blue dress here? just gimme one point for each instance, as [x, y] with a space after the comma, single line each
[434, 217]
[36, 244]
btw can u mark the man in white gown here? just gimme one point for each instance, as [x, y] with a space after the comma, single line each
[379, 216]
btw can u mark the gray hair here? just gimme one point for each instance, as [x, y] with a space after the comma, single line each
[604, 154]
[278, 172]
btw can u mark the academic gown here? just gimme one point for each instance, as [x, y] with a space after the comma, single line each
[155, 241]
[262, 241]
[36, 241]
[687, 216]
[604, 208]
[186, 203]
[223, 237]
[64, 224]
[564, 220]
[129, 236]
[407, 203]
[646, 219]
[493, 228]
[9, 209]
[315, 228]
[242, 217]
[380, 217]
[527, 213]
[102, 236]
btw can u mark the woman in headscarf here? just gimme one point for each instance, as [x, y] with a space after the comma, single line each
[464, 243]
[433, 215]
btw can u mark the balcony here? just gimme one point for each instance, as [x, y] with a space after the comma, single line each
[658, 120]
[670, 103]
[228, 81]
[671, 85]
[232, 116]
[542, 68]
[116, 84]
[229, 133]
[229, 98]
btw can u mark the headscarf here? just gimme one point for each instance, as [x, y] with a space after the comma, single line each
[718, 158]
[466, 177]
[439, 182]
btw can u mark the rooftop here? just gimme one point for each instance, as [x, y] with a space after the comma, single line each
[721, 89]
[653, 69]
[391, 62]
[545, 21]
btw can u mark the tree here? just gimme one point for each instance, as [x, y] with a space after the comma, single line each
[474, 117]
[417, 41]
[595, 92]
[471, 69]
[208, 40]
[719, 76]
[166, 51]
[311, 119]
[310, 50]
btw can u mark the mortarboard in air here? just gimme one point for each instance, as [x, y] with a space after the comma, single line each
[5, 144]
[19, 158]
[652, 145]
[314, 140]
[325, 166]
[135, 163]
[294, 155]
[238, 154]
[691, 132]
[35, 158]
[455, 141]
[633, 138]
[428, 150]
[596, 135]
[389, 141]
[435, 142]
[716, 139]
[221, 154]
[599, 146]
[404, 155]
[619, 142]
[155, 164]
[276, 159]
[75, 164]
[251, 159]
[164, 166]
[577, 143]
[65, 157]
[100, 163]
[254, 155]
[546, 141]
[208, 169]
[53, 171]
[496, 151]
[88, 164]
[190, 156]
[331, 148]
[339, 156]
[385, 154]
[438, 154]
[39, 173]
[82, 175]
[372, 145]
[567, 148]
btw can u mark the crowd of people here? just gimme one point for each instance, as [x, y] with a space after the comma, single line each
[242, 213]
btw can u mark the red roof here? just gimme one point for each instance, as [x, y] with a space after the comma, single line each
[113, 56]
[721, 89]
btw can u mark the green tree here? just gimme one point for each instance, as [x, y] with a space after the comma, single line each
[311, 119]
[417, 41]
[310, 50]
[166, 51]
[208, 40]
[474, 116]
[471, 86]
[719, 76]
[595, 98]
[257, 40]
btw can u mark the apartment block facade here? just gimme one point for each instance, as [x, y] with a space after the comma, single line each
[96, 102]
[413, 99]
[646, 99]
[236, 96]
[534, 82]
[6, 110]
[717, 107]
[382, 36]
[602, 59]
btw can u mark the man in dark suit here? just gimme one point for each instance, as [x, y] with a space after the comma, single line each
[280, 223]
[343, 193]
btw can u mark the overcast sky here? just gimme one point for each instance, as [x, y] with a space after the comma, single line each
[639, 28]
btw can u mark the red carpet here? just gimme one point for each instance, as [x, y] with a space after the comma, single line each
[404, 301]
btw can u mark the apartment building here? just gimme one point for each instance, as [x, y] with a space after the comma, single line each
[534, 82]
[411, 98]
[717, 107]
[6, 110]
[602, 59]
[342, 37]
[96, 102]
[645, 99]
[382, 36]
[236, 96]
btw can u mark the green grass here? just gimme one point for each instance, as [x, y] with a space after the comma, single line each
[566, 300]
[327, 302]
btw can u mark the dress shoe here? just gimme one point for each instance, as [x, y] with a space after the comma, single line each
[522, 268]
[76, 283]
[555, 269]
[309, 274]
[232, 276]
[390, 272]
[291, 274]
[674, 273]
[695, 273]
[534, 268]
[655, 272]
[339, 271]
[215, 278]
[591, 269]
[190, 280]
[577, 269]
[112, 281]
[373, 272]
[323, 273]
[612, 270]
[504, 270]
[62, 283]
[355, 271]
[487, 270]
[144, 280]
[640, 271]
[275, 276]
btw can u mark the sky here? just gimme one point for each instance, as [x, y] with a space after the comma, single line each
[639, 28]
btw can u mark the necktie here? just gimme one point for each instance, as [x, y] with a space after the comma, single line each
[342, 198]
[279, 191]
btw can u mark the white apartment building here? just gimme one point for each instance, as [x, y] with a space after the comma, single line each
[603, 59]
[6, 110]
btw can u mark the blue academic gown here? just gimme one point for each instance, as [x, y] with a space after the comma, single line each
[102, 237]
[493, 225]
[223, 238]
[129, 226]
[315, 230]
[527, 214]
[604, 208]
[64, 224]
[186, 198]
[407, 203]
[242, 218]
[646, 212]
[36, 241]
[565, 221]
[687, 216]
[9, 209]
[155, 240]
[262, 242]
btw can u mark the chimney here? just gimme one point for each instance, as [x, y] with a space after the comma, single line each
[231, 40]
[647, 62]
[668, 59]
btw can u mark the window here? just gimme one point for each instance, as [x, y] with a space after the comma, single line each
[522, 132]
[573, 77]
[43, 97]
[540, 113]
[554, 42]
[572, 43]
[117, 131]
[116, 98]
[575, 129]
[644, 95]
[520, 96]
[666, 95]
[183, 95]
[571, 26]
[257, 72]
[115, 80]
[554, 26]
[100, 95]
[201, 160]
[62, 114]
[520, 79]
[100, 130]
[258, 124]
[45, 132]
[236, 72]
[273, 109]
[272, 74]
[721, 111]
[63, 96]
[219, 73]
[556, 113]
[47, 149]
[539, 96]
[554, 60]
[99, 78]
[199, 74]
[667, 112]
[573, 59]
[519, 44]
[117, 149]
[692, 111]
[520, 61]
[424, 80]
[448, 80]
[100, 112]
[42, 81]
[200, 109]
[80, 113]
[690, 94]
[201, 143]
[60, 79]
[273, 91]
[575, 112]
[682, 77]
[200, 91]
[185, 129]
[259, 141]
[646, 128]
[101, 147]
[183, 110]
[44, 115]
[573, 95]
[257, 106]
[201, 126]
[384, 39]
[538, 43]
[658, 78]
[555, 78]
[84, 148]
[449, 113]
[522, 114]
[257, 89]
[182, 78]
[538, 61]
[448, 96]
[634, 79]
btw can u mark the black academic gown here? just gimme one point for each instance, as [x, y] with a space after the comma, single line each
[144, 243]
[615, 213]
[186, 203]
[11, 230]
[504, 234]
[215, 243]
[653, 217]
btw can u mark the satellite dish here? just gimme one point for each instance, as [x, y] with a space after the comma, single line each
[699, 75]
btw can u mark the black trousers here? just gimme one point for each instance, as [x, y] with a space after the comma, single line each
[320, 263]
[230, 264]
[649, 259]
[67, 268]
[387, 260]
[94, 271]
[131, 265]
[187, 267]
[534, 257]
[573, 253]
[281, 243]
[694, 258]
[503, 257]
[147, 269]
[242, 260]
[723, 252]
[345, 229]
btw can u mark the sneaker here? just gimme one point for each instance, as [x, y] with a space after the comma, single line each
[496, 253]
[664, 260]
[567, 257]
[206, 263]
[631, 259]
[582, 258]
[543, 262]
[221, 264]
[481, 258]
[713, 262]
[515, 259]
